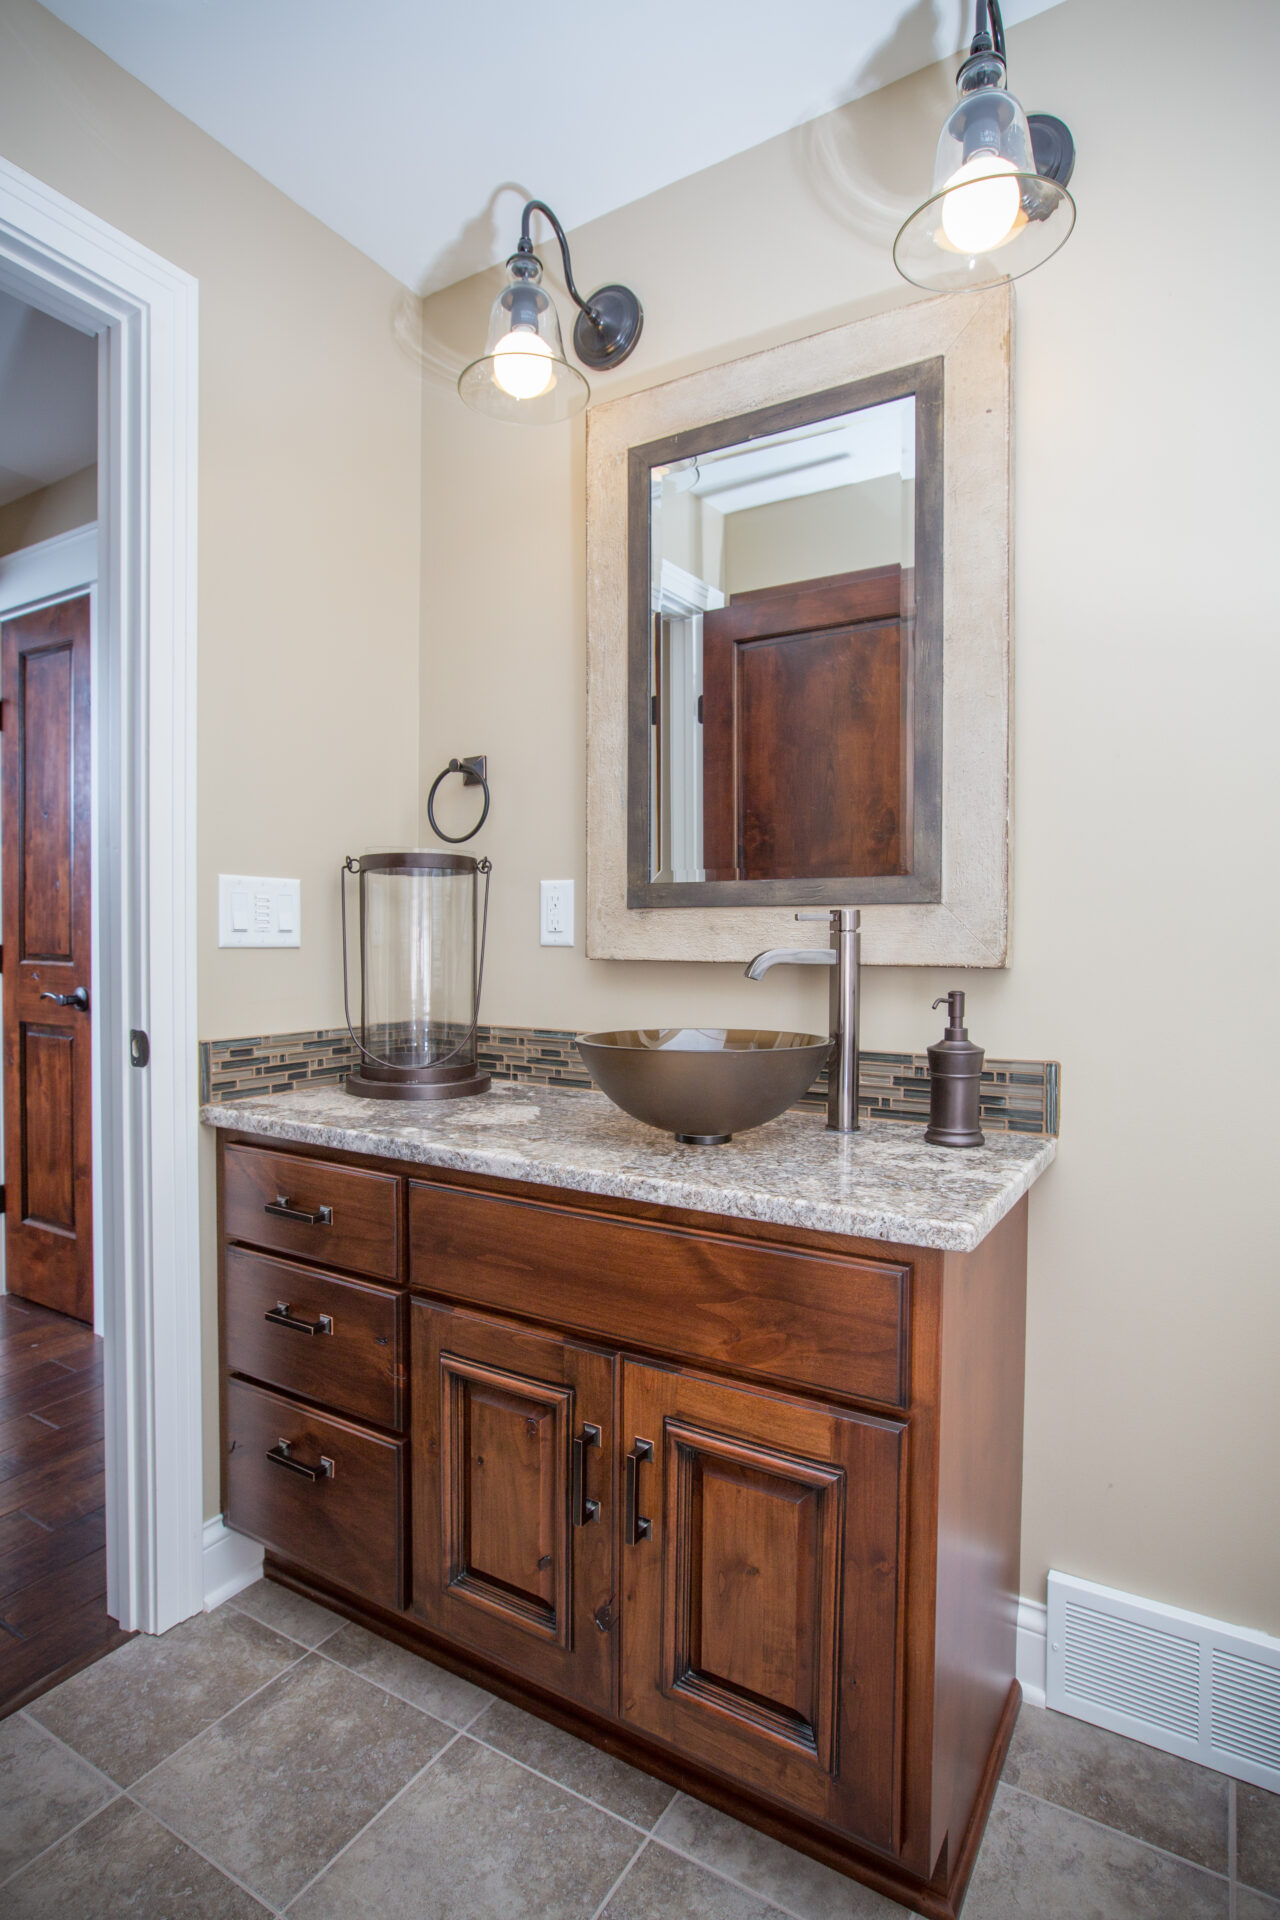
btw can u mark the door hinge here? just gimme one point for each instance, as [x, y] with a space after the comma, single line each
[653, 709]
[3, 1207]
[699, 709]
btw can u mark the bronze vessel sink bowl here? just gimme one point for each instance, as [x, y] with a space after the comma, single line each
[703, 1084]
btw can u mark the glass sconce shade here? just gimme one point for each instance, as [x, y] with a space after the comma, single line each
[991, 215]
[523, 374]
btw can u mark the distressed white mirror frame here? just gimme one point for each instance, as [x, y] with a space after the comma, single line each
[969, 927]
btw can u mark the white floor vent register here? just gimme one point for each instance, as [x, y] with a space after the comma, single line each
[1172, 1679]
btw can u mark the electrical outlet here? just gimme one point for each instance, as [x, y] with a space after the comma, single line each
[557, 913]
[257, 912]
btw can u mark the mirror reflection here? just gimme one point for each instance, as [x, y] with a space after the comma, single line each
[782, 605]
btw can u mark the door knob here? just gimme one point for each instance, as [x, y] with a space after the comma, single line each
[79, 999]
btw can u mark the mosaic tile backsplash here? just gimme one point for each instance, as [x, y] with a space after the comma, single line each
[1018, 1096]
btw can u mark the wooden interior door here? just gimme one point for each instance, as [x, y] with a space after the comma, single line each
[760, 1608]
[807, 730]
[48, 958]
[513, 1497]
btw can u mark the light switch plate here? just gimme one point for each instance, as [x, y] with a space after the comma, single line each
[557, 913]
[254, 911]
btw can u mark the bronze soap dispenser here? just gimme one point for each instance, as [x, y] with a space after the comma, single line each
[955, 1077]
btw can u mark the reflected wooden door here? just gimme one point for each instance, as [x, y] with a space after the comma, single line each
[807, 729]
[760, 1582]
[47, 958]
[513, 1497]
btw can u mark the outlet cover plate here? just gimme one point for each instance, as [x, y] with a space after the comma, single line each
[257, 911]
[556, 920]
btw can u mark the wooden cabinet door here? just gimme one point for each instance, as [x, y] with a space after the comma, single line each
[761, 1617]
[513, 1507]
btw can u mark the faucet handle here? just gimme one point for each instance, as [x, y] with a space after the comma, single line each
[814, 913]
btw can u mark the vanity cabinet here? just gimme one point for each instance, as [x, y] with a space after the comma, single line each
[737, 1502]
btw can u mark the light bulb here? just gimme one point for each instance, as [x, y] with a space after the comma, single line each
[522, 364]
[980, 203]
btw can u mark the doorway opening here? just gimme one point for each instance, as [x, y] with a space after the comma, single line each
[138, 313]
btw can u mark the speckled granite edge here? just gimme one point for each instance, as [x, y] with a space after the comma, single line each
[1016, 1096]
[884, 1183]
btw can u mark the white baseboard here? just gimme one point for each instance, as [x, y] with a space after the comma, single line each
[1032, 1617]
[232, 1562]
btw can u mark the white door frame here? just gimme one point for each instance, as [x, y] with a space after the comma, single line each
[59, 258]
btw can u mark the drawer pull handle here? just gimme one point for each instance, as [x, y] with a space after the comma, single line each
[281, 1455]
[638, 1528]
[282, 1315]
[283, 1208]
[584, 1510]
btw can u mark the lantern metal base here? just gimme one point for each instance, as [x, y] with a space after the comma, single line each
[370, 1089]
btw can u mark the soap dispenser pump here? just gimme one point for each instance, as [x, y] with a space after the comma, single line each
[955, 1077]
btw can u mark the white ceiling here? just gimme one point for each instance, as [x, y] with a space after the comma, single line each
[399, 123]
[48, 399]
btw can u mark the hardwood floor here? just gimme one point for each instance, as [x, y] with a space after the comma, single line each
[53, 1561]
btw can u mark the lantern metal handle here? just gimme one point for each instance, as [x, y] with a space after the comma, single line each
[485, 867]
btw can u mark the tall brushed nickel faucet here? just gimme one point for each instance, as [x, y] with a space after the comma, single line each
[843, 957]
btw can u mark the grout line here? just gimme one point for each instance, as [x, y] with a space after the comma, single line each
[224, 1873]
[560, 1785]
[621, 1877]
[769, 1900]
[1151, 1846]
[114, 1793]
[403, 1697]
[399, 1794]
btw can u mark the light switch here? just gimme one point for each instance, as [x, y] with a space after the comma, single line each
[258, 912]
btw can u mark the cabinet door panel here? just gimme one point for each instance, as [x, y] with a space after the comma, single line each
[760, 1617]
[506, 1558]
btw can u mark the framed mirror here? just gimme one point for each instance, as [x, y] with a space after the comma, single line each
[799, 645]
[785, 652]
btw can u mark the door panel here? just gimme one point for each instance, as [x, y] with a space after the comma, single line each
[47, 941]
[513, 1496]
[807, 730]
[761, 1630]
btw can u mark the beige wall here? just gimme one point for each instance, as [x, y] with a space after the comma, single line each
[1148, 654]
[840, 531]
[50, 510]
[309, 517]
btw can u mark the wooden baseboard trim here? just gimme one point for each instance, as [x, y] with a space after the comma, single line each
[935, 1901]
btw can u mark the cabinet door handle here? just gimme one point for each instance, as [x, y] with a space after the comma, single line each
[638, 1528]
[584, 1510]
[282, 1315]
[281, 1455]
[283, 1207]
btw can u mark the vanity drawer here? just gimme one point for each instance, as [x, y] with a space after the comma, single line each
[341, 1216]
[337, 1341]
[805, 1319]
[345, 1520]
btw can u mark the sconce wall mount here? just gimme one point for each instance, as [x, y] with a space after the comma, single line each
[523, 375]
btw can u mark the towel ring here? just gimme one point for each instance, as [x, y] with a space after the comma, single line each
[473, 770]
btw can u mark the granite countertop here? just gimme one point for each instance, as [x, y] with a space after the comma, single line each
[884, 1183]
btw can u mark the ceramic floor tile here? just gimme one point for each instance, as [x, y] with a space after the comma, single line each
[1038, 1859]
[44, 1791]
[274, 1790]
[611, 1783]
[1152, 1795]
[289, 1613]
[419, 1681]
[804, 1886]
[1255, 1906]
[148, 1698]
[477, 1837]
[662, 1886]
[122, 1865]
[1258, 1838]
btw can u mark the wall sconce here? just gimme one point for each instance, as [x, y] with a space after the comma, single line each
[523, 374]
[999, 204]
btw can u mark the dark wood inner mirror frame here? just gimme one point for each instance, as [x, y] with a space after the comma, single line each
[919, 854]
